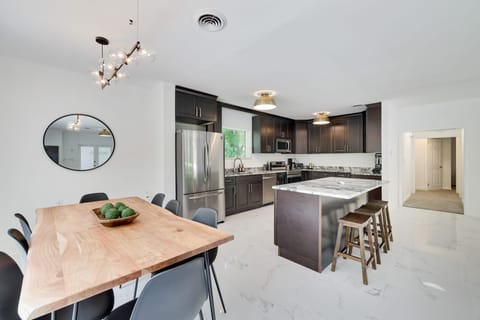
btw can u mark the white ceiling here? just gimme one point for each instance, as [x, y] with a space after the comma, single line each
[317, 54]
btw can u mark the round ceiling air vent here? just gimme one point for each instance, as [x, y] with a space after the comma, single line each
[210, 20]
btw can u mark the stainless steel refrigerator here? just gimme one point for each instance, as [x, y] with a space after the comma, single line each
[200, 172]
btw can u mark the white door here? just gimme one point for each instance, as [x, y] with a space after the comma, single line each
[434, 164]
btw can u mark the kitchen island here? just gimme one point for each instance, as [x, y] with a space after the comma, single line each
[306, 216]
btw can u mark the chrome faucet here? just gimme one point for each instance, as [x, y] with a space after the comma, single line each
[240, 167]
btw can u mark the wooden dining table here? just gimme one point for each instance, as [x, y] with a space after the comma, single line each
[72, 256]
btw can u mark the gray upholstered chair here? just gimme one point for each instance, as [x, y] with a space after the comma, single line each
[173, 206]
[208, 217]
[158, 199]
[90, 197]
[176, 293]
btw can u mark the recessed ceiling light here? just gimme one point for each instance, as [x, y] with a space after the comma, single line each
[210, 20]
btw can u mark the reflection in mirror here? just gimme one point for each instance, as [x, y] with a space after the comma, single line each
[79, 142]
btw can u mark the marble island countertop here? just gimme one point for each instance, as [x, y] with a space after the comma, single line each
[336, 187]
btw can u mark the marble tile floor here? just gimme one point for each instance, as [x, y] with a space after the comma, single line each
[432, 272]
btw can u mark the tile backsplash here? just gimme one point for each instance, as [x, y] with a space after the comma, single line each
[366, 160]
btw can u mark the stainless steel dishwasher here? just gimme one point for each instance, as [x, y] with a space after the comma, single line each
[269, 180]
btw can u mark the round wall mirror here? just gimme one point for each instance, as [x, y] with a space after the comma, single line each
[79, 142]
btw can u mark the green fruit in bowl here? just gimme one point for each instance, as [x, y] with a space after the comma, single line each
[112, 213]
[119, 204]
[127, 212]
[121, 208]
[105, 207]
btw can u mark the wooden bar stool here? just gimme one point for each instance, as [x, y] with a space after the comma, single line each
[377, 223]
[352, 222]
[386, 211]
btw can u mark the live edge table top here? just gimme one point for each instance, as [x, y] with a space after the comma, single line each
[72, 256]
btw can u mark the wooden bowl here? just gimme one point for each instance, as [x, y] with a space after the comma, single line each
[114, 222]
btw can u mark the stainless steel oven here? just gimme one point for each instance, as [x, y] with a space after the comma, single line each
[294, 176]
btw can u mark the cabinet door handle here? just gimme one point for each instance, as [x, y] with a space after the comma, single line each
[196, 111]
[347, 147]
[200, 108]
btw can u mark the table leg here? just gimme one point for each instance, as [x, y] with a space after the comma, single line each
[75, 311]
[52, 316]
[209, 284]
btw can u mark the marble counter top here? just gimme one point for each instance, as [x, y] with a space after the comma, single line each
[336, 187]
[259, 171]
[252, 173]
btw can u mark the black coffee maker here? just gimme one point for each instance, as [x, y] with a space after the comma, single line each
[378, 163]
[290, 163]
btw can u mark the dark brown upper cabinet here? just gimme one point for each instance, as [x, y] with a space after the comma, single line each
[348, 133]
[283, 128]
[193, 108]
[266, 129]
[373, 128]
[263, 134]
[300, 141]
[319, 138]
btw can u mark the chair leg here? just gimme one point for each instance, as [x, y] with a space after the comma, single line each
[209, 284]
[389, 224]
[135, 289]
[218, 288]
[346, 240]
[337, 246]
[375, 239]
[370, 245]
[200, 314]
[362, 258]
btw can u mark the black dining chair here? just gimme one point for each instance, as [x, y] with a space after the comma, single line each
[93, 308]
[158, 199]
[27, 231]
[22, 244]
[173, 206]
[90, 197]
[208, 217]
[11, 278]
[176, 293]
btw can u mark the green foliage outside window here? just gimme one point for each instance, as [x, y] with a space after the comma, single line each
[235, 143]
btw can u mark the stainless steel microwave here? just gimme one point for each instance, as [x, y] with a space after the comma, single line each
[283, 145]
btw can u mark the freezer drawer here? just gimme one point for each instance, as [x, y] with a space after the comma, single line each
[210, 199]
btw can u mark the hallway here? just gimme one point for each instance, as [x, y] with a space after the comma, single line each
[438, 200]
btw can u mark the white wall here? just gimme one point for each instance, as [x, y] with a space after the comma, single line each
[421, 164]
[433, 109]
[141, 118]
[242, 120]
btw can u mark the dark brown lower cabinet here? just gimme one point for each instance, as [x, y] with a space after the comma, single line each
[230, 195]
[243, 193]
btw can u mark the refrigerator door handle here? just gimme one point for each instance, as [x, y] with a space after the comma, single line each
[209, 167]
[205, 160]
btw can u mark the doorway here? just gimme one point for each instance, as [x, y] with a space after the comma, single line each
[435, 171]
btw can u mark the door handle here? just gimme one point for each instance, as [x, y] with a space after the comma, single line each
[200, 108]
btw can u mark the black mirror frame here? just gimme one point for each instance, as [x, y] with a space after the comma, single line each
[85, 115]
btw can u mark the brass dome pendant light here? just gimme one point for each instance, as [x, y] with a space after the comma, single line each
[321, 118]
[264, 100]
